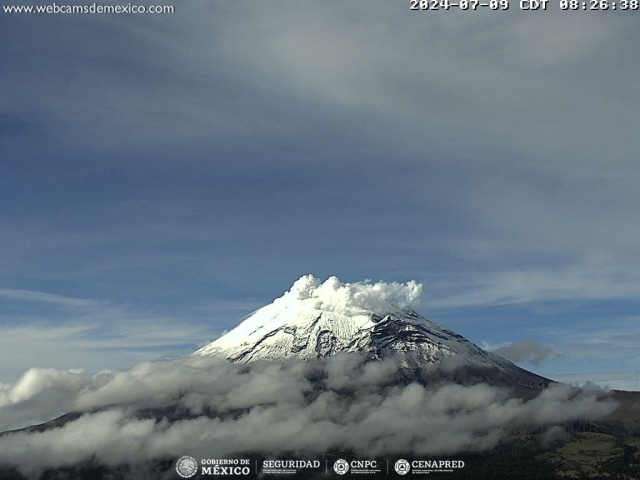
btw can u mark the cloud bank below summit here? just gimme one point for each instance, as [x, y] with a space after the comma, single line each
[342, 402]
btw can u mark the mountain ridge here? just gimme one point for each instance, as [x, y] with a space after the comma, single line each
[317, 319]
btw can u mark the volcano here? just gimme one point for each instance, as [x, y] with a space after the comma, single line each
[316, 319]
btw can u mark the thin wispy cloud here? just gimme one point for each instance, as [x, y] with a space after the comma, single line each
[96, 337]
[578, 283]
[33, 296]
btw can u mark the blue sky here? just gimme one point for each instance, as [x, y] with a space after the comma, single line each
[163, 176]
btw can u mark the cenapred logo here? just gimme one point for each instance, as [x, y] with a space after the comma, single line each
[402, 467]
[341, 466]
[426, 467]
[186, 466]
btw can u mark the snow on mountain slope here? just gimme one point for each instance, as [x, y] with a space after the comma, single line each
[315, 319]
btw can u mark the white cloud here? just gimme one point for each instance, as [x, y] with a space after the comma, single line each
[266, 407]
[33, 296]
[526, 350]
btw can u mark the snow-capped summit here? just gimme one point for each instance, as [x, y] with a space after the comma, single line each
[316, 319]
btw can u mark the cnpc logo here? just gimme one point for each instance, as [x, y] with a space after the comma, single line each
[342, 467]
